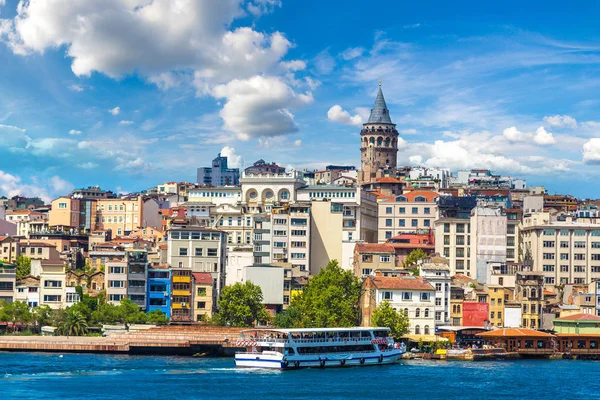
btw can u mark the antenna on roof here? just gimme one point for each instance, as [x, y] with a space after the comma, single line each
[380, 80]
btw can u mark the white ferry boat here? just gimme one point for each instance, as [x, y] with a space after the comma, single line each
[323, 347]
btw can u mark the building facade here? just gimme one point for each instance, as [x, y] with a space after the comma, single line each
[218, 174]
[414, 211]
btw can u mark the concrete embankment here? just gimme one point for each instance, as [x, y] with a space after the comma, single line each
[164, 340]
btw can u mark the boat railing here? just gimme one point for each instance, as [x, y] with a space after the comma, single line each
[333, 340]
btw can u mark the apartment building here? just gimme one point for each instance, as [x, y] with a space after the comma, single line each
[137, 262]
[290, 235]
[218, 174]
[488, 239]
[65, 214]
[204, 300]
[437, 273]
[413, 211]
[53, 285]
[182, 296]
[122, 216]
[8, 279]
[158, 296]
[340, 217]
[372, 257]
[27, 290]
[260, 192]
[412, 294]
[564, 252]
[116, 281]
[199, 250]
[26, 221]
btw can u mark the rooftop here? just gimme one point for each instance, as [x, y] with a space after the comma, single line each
[579, 317]
[374, 248]
[379, 112]
[515, 332]
[202, 277]
[402, 282]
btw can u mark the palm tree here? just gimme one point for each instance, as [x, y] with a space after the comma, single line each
[74, 324]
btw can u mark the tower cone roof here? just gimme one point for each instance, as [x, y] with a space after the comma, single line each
[379, 113]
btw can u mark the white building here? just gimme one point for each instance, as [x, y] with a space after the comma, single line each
[238, 258]
[438, 274]
[412, 294]
[441, 175]
[26, 221]
[488, 239]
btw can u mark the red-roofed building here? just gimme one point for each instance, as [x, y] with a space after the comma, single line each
[410, 212]
[405, 243]
[411, 294]
[370, 257]
[203, 295]
[578, 324]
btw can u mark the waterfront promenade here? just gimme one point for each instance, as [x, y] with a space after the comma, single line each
[162, 340]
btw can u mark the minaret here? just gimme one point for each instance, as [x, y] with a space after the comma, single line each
[378, 142]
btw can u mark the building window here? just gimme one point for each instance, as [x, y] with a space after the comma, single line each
[548, 256]
[438, 301]
[548, 243]
[401, 210]
[438, 315]
[446, 228]
[183, 251]
[426, 210]
[62, 205]
[414, 223]
[388, 210]
[549, 280]
[384, 259]
[201, 305]
[401, 222]
[388, 222]
[426, 313]
[460, 228]
[211, 252]
[417, 330]
[415, 210]
[425, 296]
[407, 296]
[386, 295]
[388, 234]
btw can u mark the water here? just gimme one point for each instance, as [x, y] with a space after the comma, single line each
[79, 376]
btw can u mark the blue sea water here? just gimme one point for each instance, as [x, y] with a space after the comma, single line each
[83, 376]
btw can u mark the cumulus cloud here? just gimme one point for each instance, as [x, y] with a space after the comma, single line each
[115, 111]
[294, 65]
[13, 185]
[337, 114]
[298, 143]
[74, 132]
[233, 159]
[561, 121]
[410, 131]
[415, 160]
[591, 151]
[126, 122]
[543, 137]
[324, 62]
[512, 134]
[259, 106]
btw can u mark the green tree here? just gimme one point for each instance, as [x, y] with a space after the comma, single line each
[74, 324]
[105, 314]
[330, 299]
[290, 318]
[15, 313]
[129, 313]
[412, 259]
[157, 317]
[241, 305]
[385, 316]
[42, 315]
[23, 266]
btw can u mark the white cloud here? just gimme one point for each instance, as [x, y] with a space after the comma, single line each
[137, 165]
[76, 88]
[561, 121]
[115, 111]
[352, 53]
[337, 114]
[415, 160]
[411, 26]
[294, 65]
[591, 151]
[259, 106]
[12, 128]
[12, 185]
[543, 137]
[149, 125]
[233, 159]
[74, 132]
[126, 122]
[87, 165]
[298, 143]
[512, 134]
[259, 7]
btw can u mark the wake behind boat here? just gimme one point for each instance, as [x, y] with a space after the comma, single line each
[323, 347]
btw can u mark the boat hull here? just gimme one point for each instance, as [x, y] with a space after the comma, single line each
[314, 361]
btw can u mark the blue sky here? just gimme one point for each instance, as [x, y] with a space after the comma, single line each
[127, 94]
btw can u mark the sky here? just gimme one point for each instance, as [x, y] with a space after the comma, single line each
[127, 94]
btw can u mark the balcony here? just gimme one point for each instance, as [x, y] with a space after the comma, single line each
[182, 279]
[136, 290]
[182, 292]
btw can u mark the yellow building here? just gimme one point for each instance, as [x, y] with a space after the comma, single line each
[124, 215]
[181, 300]
[497, 298]
[203, 296]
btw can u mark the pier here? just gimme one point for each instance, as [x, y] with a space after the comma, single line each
[172, 340]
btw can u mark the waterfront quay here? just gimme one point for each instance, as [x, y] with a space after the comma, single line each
[172, 340]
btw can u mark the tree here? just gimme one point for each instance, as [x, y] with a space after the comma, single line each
[23, 266]
[129, 313]
[385, 316]
[15, 312]
[42, 315]
[241, 305]
[330, 299]
[74, 324]
[290, 318]
[413, 257]
[157, 317]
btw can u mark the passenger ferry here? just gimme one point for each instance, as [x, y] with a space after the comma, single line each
[323, 347]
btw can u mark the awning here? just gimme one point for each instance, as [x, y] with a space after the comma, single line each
[425, 338]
